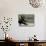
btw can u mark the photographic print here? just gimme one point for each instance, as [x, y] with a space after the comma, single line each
[26, 19]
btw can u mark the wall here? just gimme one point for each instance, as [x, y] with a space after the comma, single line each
[11, 8]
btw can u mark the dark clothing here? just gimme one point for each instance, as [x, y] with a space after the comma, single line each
[22, 20]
